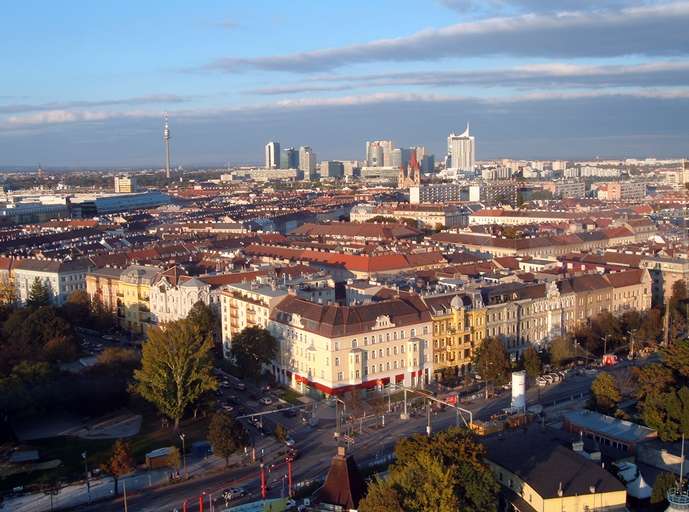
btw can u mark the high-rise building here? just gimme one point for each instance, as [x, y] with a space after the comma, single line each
[125, 184]
[461, 149]
[332, 169]
[307, 161]
[273, 155]
[289, 159]
[166, 140]
[379, 153]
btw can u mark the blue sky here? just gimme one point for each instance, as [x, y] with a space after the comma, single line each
[86, 83]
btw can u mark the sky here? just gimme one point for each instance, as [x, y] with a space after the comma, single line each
[86, 83]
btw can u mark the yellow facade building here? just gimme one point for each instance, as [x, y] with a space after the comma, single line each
[134, 309]
[459, 327]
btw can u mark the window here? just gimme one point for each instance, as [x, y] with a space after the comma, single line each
[337, 361]
[425, 329]
[412, 333]
[380, 367]
[354, 344]
[339, 375]
[365, 340]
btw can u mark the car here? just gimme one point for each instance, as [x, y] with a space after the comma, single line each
[290, 413]
[233, 399]
[292, 453]
[225, 384]
[233, 493]
[240, 386]
[227, 407]
[109, 337]
[289, 442]
[266, 400]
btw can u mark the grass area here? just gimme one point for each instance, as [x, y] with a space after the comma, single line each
[289, 395]
[69, 449]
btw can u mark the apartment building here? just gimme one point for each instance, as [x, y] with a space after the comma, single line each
[459, 327]
[331, 349]
[62, 278]
[173, 295]
[103, 285]
[134, 310]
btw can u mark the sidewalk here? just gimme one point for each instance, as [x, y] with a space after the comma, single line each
[101, 488]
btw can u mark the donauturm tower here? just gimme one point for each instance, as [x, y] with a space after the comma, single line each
[166, 140]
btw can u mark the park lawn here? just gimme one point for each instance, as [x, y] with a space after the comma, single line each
[69, 450]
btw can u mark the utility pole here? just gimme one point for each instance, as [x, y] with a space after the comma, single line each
[404, 415]
[263, 482]
[124, 492]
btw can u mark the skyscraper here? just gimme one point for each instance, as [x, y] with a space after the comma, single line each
[273, 155]
[379, 153]
[289, 158]
[307, 161]
[461, 150]
[166, 140]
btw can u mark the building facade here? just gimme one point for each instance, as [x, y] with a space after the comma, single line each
[62, 278]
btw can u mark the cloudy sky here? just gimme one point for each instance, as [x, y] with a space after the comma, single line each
[86, 83]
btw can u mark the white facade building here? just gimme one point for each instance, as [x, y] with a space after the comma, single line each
[462, 151]
[273, 155]
[62, 278]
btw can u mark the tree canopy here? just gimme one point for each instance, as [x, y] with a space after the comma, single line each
[202, 317]
[176, 368]
[491, 361]
[121, 462]
[445, 472]
[531, 362]
[663, 392]
[226, 435]
[252, 348]
[39, 294]
[606, 392]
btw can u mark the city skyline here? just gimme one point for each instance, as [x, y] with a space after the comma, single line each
[570, 80]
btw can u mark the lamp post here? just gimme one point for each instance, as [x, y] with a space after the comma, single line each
[184, 455]
[86, 473]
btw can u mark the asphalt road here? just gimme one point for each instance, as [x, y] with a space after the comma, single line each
[316, 448]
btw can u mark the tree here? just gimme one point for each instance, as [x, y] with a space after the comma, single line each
[664, 483]
[560, 350]
[121, 462]
[491, 361]
[280, 433]
[606, 393]
[60, 349]
[202, 317]
[652, 379]
[668, 413]
[251, 349]
[77, 309]
[8, 294]
[531, 362]
[226, 435]
[446, 472]
[176, 368]
[39, 294]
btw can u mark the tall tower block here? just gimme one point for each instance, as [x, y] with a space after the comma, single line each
[166, 140]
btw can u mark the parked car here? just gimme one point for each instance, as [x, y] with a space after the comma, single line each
[233, 399]
[233, 493]
[289, 442]
[266, 400]
[225, 384]
[227, 408]
[290, 413]
[240, 386]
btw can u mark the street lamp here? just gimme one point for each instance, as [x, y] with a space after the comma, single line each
[184, 455]
[86, 471]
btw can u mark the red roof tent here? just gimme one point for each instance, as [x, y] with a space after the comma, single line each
[341, 390]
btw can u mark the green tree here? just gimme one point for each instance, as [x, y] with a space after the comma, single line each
[606, 393]
[121, 461]
[531, 362]
[668, 413]
[652, 379]
[491, 361]
[663, 484]
[252, 348]
[202, 317]
[8, 295]
[381, 497]
[39, 294]
[226, 435]
[176, 368]
[561, 349]
[446, 472]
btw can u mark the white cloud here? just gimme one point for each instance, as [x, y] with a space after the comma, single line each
[652, 30]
